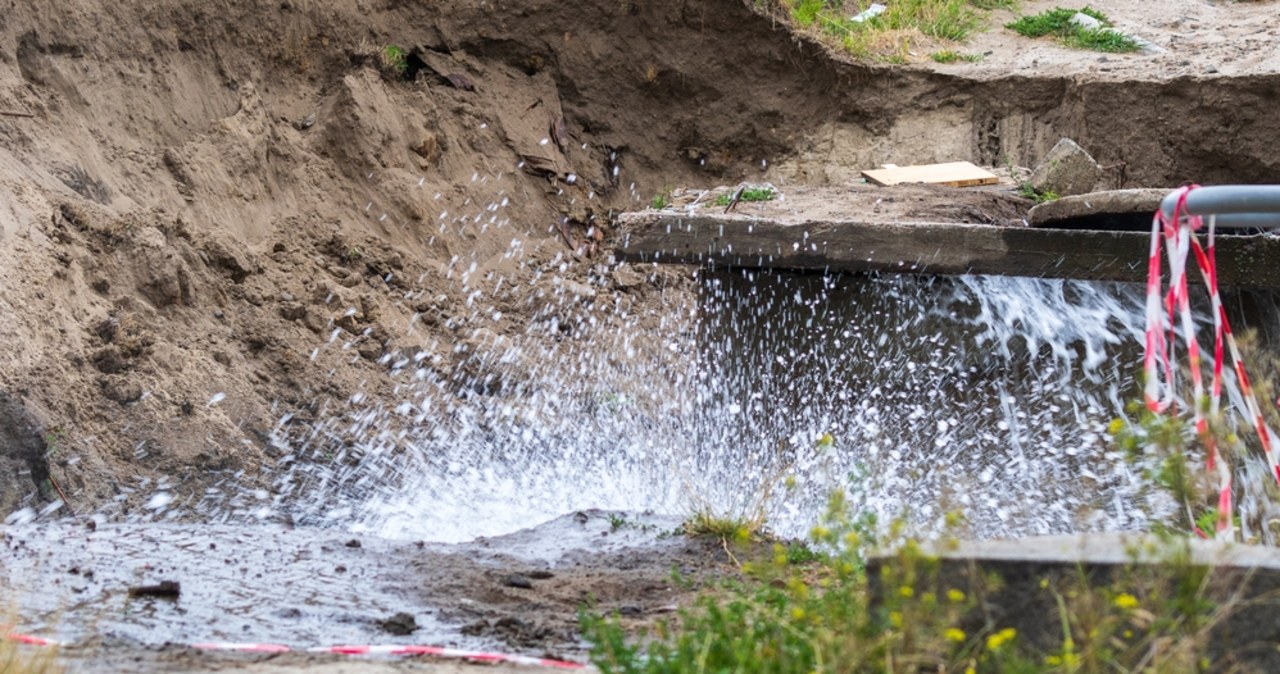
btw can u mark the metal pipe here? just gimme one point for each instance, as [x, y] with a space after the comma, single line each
[1243, 206]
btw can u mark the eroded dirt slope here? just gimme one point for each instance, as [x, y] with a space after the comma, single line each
[214, 216]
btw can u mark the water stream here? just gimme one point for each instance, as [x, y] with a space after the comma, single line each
[987, 396]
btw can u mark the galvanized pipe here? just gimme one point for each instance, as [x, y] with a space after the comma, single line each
[1236, 206]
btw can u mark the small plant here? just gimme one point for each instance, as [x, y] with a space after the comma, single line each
[725, 528]
[395, 59]
[797, 611]
[661, 200]
[53, 442]
[1057, 23]
[1026, 190]
[616, 521]
[800, 553]
[951, 56]
[748, 194]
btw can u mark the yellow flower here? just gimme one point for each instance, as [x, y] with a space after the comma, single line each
[956, 596]
[1052, 660]
[955, 635]
[907, 591]
[895, 619]
[970, 670]
[1125, 601]
[995, 641]
[797, 613]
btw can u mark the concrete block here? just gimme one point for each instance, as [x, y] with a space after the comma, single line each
[1067, 170]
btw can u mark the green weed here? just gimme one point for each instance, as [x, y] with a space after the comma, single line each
[1104, 40]
[725, 528]
[661, 200]
[952, 56]
[748, 194]
[817, 608]
[1057, 23]
[1026, 190]
[395, 58]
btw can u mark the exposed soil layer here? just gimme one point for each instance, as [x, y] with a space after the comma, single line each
[200, 199]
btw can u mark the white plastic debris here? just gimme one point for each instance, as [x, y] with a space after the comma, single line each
[1085, 21]
[876, 9]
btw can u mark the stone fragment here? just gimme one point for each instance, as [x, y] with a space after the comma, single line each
[1067, 170]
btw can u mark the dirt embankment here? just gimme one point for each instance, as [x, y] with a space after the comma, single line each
[211, 217]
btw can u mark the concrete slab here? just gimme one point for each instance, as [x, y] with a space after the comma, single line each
[1129, 210]
[781, 240]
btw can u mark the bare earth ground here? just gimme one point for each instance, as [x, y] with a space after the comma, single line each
[1196, 39]
[211, 217]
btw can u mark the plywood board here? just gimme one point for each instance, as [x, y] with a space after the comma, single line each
[953, 174]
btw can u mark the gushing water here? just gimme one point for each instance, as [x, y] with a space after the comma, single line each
[987, 396]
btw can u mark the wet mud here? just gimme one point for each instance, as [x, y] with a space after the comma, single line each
[519, 593]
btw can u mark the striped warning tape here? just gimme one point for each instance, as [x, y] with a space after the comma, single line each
[1178, 234]
[378, 649]
[28, 639]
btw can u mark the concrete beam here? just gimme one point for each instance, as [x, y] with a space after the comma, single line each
[737, 240]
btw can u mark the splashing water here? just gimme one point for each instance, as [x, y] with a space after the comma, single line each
[987, 396]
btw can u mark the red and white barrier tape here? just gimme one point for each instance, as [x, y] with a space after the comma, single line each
[1179, 236]
[380, 649]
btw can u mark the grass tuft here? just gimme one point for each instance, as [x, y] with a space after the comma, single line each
[661, 200]
[1057, 23]
[725, 528]
[395, 58]
[892, 35]
[951, 56]
[748, 194]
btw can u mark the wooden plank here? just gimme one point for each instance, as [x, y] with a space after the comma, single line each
[953, 174]
[923, 248]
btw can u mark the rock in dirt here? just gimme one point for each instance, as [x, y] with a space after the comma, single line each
[519, 581]
[1067, 170]
[121, 390]
[165, 589]
[401, 624]
[1111, 210]
[23, 464]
